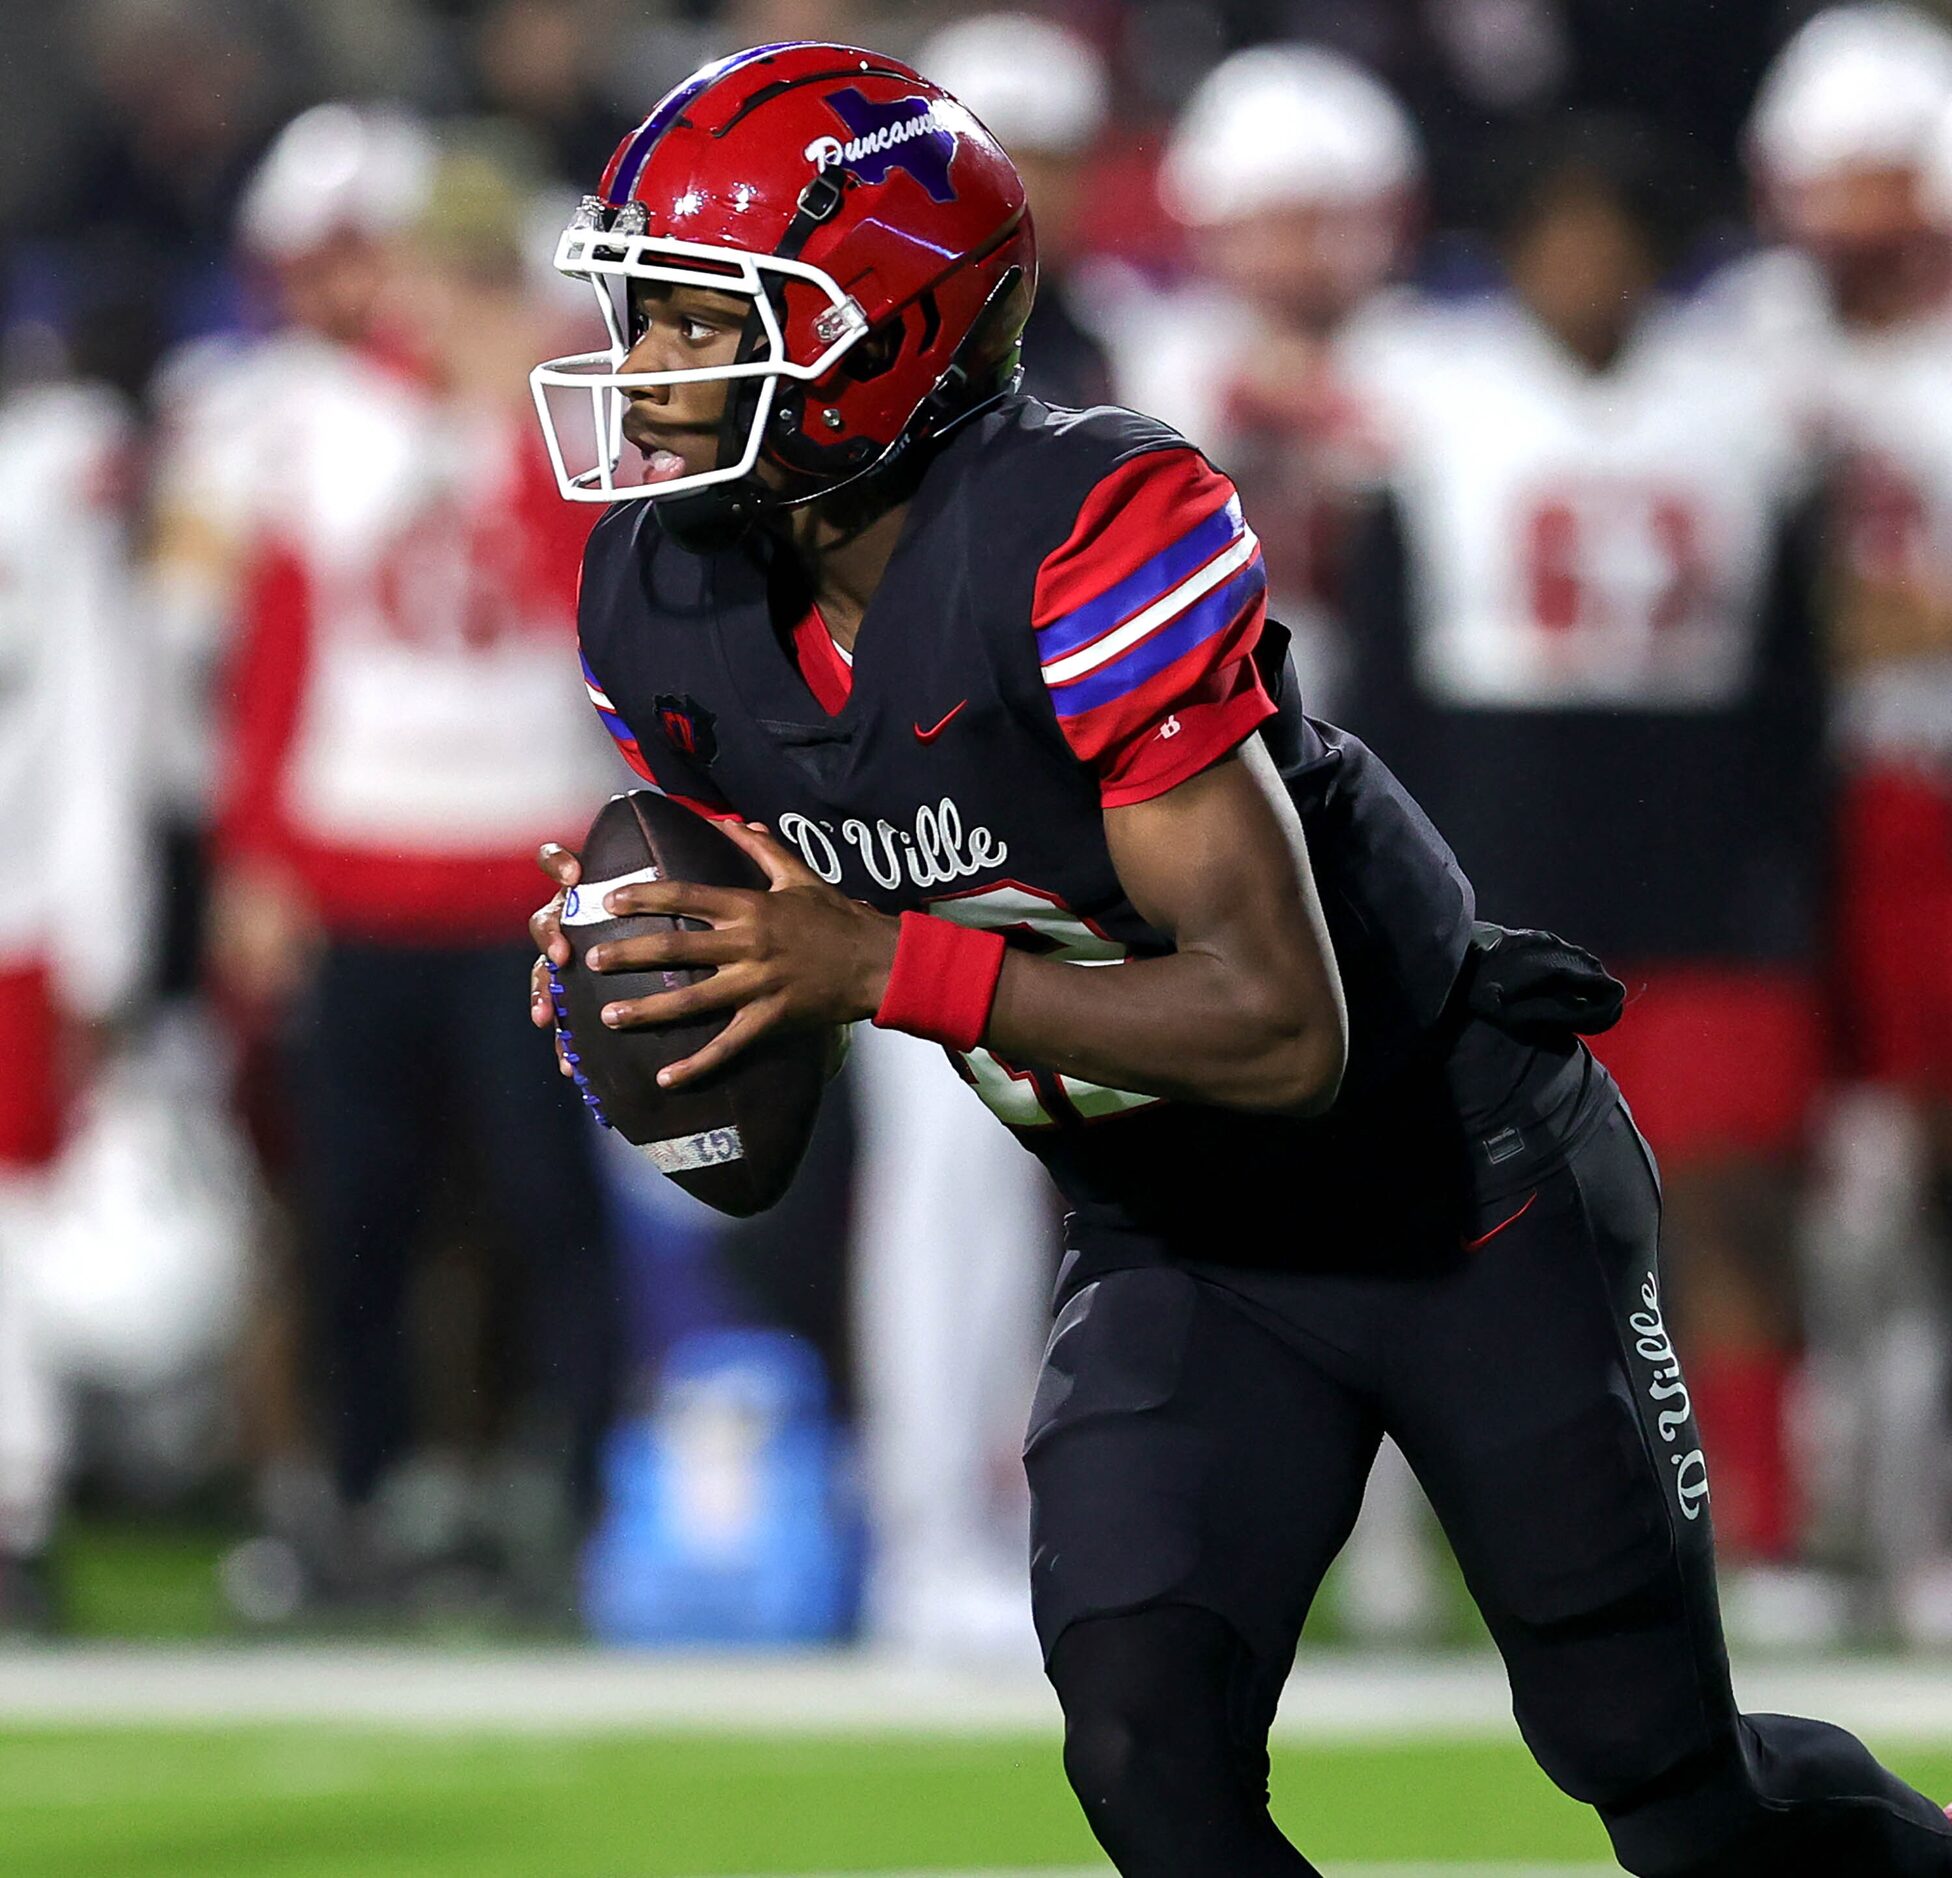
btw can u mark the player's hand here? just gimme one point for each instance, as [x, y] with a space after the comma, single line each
[264, 938]
[546, 929]
[800, 954]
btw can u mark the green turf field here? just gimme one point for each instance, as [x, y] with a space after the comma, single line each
[296, 1802]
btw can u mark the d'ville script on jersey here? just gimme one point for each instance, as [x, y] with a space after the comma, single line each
[934, 853]
[1655, 1348]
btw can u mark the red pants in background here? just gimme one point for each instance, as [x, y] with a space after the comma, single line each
[1721, 1065]
[30, 1070]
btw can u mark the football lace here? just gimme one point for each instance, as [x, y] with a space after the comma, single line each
[559, 1001]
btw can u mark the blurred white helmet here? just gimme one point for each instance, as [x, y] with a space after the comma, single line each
[141, 1272]
[1858, 86]
[1283, 125]
[337, 169]
[1039, 87]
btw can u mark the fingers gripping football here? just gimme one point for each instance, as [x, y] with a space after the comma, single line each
[801, 954]
[546, 931]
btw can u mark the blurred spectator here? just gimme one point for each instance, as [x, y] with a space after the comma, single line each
[315, 235]
[1296, 173]
[1850, 156]
[1044, 94]
[955, 1251]
[1582, 631]
[76, 906]
[403, 726]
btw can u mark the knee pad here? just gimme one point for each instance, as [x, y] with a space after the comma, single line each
[1156, 1702]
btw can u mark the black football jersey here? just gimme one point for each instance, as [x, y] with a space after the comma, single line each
[1072, 619]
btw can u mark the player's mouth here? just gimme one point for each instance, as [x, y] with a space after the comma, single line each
[662, 463]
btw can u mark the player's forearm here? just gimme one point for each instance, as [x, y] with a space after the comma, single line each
[1191, 1026]
[1878, 621]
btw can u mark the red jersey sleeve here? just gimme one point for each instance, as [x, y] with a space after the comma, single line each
[262, 697]
[1146, 620]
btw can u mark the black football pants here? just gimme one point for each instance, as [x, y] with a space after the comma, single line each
[394, 1052]
[1197, 1454]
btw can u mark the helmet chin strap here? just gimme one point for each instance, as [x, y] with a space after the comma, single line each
[709, 521]
[713, 519]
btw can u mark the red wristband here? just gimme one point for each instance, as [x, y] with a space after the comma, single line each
[943, 981]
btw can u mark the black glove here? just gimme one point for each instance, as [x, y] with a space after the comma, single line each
[1528, 981]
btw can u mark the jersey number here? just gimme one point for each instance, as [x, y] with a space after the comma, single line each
[1887, 526]
[1626, 557]
[451, 584]
[1037, 1098]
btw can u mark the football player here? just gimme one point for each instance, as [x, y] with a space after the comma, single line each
[395, 732]
[989, 691]
[338, 186]
[1852, 303]
[73, 782]
[1296, 176]
[1581, 585]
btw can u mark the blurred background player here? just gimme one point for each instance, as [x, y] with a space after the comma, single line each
[1581, 626]
[1045, 94]
[399, 734]
[315, 230]
[955, 1233]
[1852, 166]
[72, 788]
[1295, 174]
[316, 225]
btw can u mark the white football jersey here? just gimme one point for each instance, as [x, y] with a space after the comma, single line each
[441, 712]
[223, 405]
[1890, 410]
[75, 885]
[1581, 540]
[1184, 357]
[1882, 402]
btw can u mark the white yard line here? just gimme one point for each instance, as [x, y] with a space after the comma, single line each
[1334, 1696]
[1423, 1869]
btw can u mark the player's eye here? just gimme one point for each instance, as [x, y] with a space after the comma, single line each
[697, 332]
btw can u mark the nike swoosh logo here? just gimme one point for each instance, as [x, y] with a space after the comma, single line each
[1484, 1239]
[929, 736]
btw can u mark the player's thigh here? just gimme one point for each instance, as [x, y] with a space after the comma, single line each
[1179, 1453]
[1540, 1399]
[528, 1131]
[362, 1081]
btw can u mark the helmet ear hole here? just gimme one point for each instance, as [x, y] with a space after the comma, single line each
[998, 329]
[931, 312]
[874, 354]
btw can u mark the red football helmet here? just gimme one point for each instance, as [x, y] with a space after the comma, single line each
[878, 229]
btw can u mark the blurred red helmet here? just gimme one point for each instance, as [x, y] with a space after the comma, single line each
[879, 231]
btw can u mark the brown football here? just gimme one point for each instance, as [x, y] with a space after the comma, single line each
[735, 1137]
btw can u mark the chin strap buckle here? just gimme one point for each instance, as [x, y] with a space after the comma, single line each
[820, 200]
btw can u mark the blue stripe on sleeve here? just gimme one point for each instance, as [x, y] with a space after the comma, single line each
[1212, 613]
[1137, 591]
